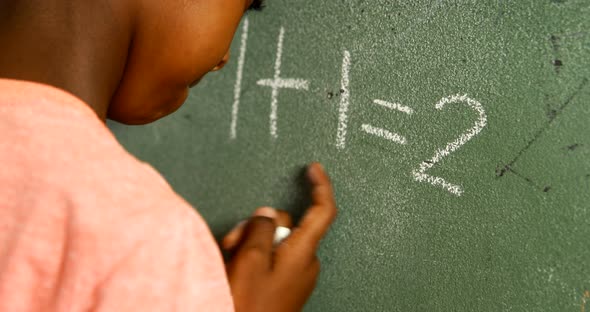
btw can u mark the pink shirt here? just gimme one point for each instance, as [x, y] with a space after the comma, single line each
[85, 226]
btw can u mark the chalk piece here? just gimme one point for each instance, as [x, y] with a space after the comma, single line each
[281, 233]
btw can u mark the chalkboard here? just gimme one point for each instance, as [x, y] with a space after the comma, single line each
[457, 135]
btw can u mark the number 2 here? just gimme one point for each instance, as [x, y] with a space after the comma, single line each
[420, 175]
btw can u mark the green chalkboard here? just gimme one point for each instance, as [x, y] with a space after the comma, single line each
[457, 135]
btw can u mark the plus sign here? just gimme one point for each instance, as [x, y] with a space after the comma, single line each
[277, 83]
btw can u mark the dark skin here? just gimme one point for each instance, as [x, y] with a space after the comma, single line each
[134, 61]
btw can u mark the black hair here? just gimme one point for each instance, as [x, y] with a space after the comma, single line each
[257, 5]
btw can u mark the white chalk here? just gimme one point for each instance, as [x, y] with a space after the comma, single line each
[420, 174]
[238, 86]
[281, 233]
[395, 106]
[274, 105]
[284, 83]
[344, 102]
[277, 83]
[385, 134]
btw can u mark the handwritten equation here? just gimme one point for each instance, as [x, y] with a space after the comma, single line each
[277, 83]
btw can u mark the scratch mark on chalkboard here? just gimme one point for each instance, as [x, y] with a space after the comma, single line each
[557, 63]
[501, 171]
[331, 94]
[508, 167]
[573, 147]
[555, 45]
[557, 41]
[585, 298]
[551, 112]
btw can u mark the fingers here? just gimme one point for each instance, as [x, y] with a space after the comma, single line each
[281, 218]
[231, 239]
[304, 240]
[322, 193]
[256, 246]
[318, 218]
[265, 277]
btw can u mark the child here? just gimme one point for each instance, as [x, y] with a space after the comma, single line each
[84, 226]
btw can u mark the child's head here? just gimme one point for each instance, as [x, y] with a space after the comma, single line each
[144, 54]
[176, 44]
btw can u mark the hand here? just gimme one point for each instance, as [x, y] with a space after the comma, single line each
[267, 278]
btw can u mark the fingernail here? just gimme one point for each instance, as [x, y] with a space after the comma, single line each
[313, 170]
[266, 212]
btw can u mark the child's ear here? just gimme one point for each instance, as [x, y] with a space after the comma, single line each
[221, 64]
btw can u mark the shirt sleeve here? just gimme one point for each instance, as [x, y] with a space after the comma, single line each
[171, 269]
[85, 226]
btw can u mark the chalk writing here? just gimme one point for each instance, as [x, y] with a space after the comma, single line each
[420, 174]
[385, 134]
[238, 86]
[395, 106]
[277, 82]
[280, 83]
[344, 102]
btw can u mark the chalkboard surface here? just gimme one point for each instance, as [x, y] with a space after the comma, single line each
[457, 135]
